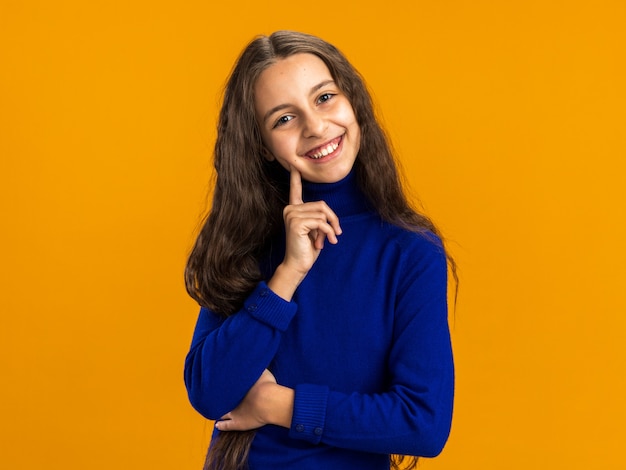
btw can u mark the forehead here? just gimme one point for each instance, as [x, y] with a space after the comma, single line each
[292, 75]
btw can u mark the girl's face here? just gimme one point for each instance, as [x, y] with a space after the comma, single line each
[306, 122]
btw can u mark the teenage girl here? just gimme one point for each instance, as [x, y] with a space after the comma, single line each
[322, 340]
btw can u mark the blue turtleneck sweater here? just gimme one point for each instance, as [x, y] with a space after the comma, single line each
[364, 342]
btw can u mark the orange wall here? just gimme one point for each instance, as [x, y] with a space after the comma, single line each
[509, 117]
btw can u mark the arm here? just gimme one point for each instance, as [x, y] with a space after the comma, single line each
[228, 356]
[412, 416]
[265, 403]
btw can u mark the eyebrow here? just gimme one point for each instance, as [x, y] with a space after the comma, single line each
[286, 105]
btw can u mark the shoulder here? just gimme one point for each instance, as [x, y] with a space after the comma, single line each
[416, 243]
[422, 259]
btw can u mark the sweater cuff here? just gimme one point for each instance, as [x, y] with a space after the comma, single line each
[309, 413]
[267, 307]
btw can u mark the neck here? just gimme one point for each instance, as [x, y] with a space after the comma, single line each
[344, 197]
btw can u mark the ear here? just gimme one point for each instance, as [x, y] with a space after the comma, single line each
[267, 154]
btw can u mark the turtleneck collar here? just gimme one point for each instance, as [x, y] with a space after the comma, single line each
[344, 197]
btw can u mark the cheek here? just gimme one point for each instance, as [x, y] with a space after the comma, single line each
[282, 146]
[346, 112]
[357, 132]
[350, 122]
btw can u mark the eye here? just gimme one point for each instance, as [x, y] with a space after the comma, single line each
[325, 97]
[282, 120]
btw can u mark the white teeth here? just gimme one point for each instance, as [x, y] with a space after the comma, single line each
[330, 148]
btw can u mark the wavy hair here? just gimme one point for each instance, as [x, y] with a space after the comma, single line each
[248, 199]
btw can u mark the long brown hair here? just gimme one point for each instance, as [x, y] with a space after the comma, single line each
[223, 267]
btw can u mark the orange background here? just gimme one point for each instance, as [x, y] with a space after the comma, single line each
[510, 121]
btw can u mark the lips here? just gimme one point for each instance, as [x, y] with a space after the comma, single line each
[324, 150]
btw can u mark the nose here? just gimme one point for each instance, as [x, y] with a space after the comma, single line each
[314, 125]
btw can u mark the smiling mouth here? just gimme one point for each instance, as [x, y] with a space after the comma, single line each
[324, 150]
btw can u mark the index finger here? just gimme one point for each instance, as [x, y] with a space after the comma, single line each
[295, 187]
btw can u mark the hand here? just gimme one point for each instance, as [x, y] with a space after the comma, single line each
[307, 226]
[265, 403]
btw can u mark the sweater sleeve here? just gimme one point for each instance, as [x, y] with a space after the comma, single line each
[413, 415]
[227, 356]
